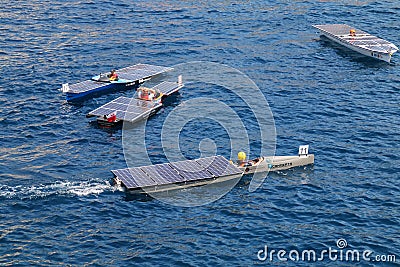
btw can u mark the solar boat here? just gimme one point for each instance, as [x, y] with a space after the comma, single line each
[359, 41]
[202, 171]
[176, 175]
[129, 76]
[145, 103]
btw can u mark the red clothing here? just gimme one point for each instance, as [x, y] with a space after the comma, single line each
[112, 117]
[114, 76]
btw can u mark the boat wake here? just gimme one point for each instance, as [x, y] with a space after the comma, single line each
[63, 188]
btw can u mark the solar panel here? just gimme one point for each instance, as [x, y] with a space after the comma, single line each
[141, 106]
[384, 42]
[371, 38]
[388, 47]
[132, 117]
[338, 29]
[168, 88]
[191, 170]
[85, 86]
[116, 106]
[163, 173]
[369, 42]
[358, 43]
[219, 166]
[126, 176]
[146, 67]
[141, 71]
[141, 178]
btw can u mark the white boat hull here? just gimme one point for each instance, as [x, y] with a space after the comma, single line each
[278, 163]
[387, 57]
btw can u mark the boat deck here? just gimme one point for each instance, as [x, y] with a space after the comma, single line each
[177, 174]
[135, 74]
[361, 39]
[133, 109]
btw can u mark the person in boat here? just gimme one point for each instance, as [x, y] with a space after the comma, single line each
[146, 93]
[140, 93]
[352, 32]
[113, 76]
[151, 94]
[241, 162]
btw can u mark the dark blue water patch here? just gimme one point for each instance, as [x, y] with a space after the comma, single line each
[190, 142]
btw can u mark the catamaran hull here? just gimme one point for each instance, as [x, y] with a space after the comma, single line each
[107, 87]
[369, 53]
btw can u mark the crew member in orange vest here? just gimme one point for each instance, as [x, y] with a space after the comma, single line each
[113, 76]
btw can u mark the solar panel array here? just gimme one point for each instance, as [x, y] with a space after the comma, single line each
[168, 88]
[141, 71]
[86, 86]
[133, 73]
[127, 109]
[176, 172]
[338, 29]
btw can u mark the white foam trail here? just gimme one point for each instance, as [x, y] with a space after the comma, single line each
[89, 189]
[65, 188]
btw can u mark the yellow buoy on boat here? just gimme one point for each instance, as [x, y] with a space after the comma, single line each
[241, 155]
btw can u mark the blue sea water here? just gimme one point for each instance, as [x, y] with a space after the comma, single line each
[57, 205]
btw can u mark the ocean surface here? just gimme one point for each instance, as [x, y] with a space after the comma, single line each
[57, 206]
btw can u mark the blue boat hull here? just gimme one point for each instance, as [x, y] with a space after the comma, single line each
[108, 87]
